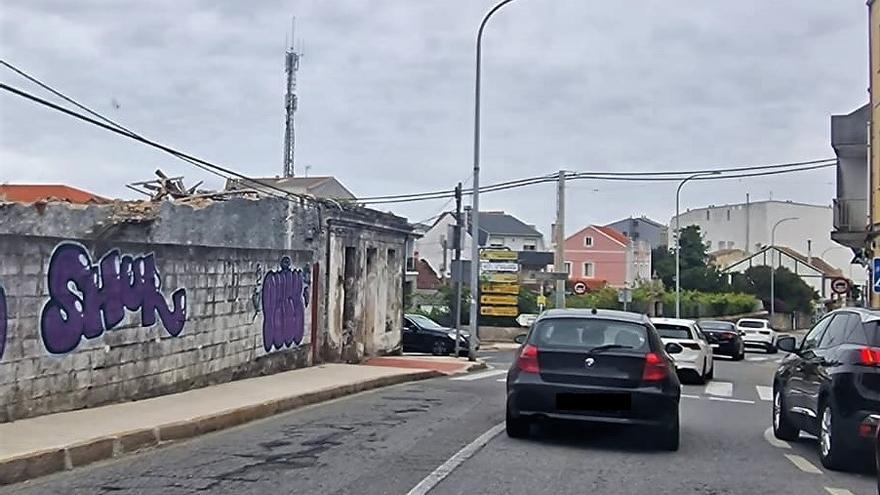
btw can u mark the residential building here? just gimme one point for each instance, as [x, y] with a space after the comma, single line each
[319, 187]
[603, 254]
[32, 193]
[642, 229]
[849, 138]
[499, 229]
[747, 226]
[812, 270]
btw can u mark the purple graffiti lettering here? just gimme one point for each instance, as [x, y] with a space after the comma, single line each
[283, 305]
[2, 322]
[85, 299]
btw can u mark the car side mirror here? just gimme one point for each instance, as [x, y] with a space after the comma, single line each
[787, 344]
[521, 338]
[673, 348]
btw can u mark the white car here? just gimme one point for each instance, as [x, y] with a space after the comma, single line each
[696, 358]
[757, 333]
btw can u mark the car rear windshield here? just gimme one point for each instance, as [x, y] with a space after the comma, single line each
[717, 325]
[872, 333]
[587, 333]
[751, 324]
[668, 331]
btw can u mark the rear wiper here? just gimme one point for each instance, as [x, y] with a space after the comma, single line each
[607, 347]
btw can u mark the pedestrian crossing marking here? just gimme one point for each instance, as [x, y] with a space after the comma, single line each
[724, 389]
[764, 392]
[478, 376]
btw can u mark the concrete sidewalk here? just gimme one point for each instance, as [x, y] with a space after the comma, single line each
[38, 446]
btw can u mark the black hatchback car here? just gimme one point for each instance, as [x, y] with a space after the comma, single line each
[829, 386]
[724, 338]
[422, 334]
[595, 366]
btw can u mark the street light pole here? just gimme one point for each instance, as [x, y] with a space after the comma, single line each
[678, 240]
[475, 208]
[773, 268]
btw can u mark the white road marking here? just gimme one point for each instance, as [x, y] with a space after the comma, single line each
[756, 359]
[764, 392]
[453, 462]
[479, 376]
[772, 440]
[686, 396]
[838, 491]
[719, 388]
[803, 464]
[738, 401]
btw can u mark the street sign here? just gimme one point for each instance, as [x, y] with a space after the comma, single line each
[499, 266]
[625, 296]
[498, 255]
[526, 319]
[876, 279]
[504, 278]
[542, 300]
[499, 300]
[499, 311]
[840, 285]
[491, 288]
[579, 288]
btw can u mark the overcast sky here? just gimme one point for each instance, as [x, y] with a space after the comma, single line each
[386, 94]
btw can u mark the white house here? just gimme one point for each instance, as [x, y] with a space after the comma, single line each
[748, 226]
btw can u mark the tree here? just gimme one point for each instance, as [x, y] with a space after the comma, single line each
[696, 272]
[791, 292]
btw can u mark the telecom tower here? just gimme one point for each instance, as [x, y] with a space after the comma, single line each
[291, 64]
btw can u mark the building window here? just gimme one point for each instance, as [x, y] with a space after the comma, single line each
[728, 215]
[568, 267]
[496, 242]
[588, 241]
[589, 270]
[529, 247]
[730, 244]
[707, 215]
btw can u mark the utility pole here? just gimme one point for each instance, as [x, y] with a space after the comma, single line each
[559, 258]
[291, 65]
[871, 248]
[456, 240]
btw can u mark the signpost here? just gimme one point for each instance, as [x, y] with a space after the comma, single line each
[625, 296]
[499, 290]
[875, 280]
[526, 319]
[579, 288]
[840, 285]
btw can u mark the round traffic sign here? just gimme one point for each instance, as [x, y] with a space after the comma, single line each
[579, 288]
[840, 285]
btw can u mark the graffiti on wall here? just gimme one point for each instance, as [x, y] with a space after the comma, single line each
[2, 321]
[86, 299]
[284, 297]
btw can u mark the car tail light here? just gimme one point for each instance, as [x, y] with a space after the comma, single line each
[528, 360]
[870, 356]
[656, 368]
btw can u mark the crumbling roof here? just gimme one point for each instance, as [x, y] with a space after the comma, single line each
[32, 193]
[300, 185]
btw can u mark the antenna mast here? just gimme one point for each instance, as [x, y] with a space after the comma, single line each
[291, 65]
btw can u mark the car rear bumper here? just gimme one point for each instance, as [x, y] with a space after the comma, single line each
[730, 348]
[529, 396]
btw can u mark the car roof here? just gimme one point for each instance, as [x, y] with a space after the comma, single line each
[717, 321]
[604, 314]
[764, 320]
[865, 313]
[674, 321]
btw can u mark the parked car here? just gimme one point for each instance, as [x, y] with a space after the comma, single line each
[724, 338]
[829, 386]
[877, 457]
[697, 358]
[757, 333]
[596, 366]
[422, 334]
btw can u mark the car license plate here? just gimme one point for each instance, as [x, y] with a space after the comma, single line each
[593, 402]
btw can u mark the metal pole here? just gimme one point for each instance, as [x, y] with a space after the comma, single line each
[773, 266]
[475, 208]
[678, 240]
[559, 259]
[456, 238]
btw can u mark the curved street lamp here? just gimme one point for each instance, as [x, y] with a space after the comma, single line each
[773, 268]
[678, 240]
[475, 204]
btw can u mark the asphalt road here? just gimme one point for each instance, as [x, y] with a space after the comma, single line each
[389, 441]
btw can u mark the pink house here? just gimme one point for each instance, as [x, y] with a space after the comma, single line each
[602, 254]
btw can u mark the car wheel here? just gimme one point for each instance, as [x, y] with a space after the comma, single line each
[832, 451]
[740, 354]
[439, 348]
[782, 427]
[516, 427]
[711, 374]
[668, 437]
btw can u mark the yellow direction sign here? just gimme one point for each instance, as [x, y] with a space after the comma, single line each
[498, 255]
[542, 300]
[504, 278]
[500, 288]
[499, 311]
[501, 300]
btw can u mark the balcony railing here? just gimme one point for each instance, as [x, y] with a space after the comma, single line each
[850, 215]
